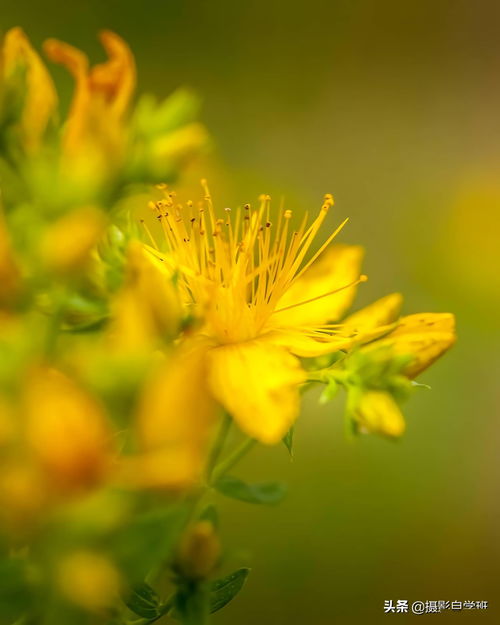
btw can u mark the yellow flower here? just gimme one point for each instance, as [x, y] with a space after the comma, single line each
[261, 300]
[66, 430]
[102, 93]
[39, 97]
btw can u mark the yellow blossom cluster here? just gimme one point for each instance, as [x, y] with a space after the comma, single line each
[127, 350]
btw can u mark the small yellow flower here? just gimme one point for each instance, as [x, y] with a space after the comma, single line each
[261, 302]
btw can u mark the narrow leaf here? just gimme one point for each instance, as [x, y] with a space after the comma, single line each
[288, 440]
[144, 601]
[264, 493]
[222, 591]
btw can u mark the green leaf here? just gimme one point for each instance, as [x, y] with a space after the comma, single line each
[264, 493]
[288, 440]
[144, 601]
[222, 591]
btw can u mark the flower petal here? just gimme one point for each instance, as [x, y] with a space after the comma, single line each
[174, 423]
[40, 100]
[381, 312]
[102, 93]
[337, 267]
[257, 383]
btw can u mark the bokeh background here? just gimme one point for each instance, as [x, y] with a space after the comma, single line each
[395, 108]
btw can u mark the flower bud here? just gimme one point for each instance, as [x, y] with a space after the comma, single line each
[378, 413]
[198, 552]
[424, 336]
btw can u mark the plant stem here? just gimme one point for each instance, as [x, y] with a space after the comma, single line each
[53, 326]
[234, 457]
[324, 375]
[225, 426]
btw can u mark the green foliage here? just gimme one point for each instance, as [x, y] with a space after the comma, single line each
[15, 591]
[268, 493]
[144, 601]
[223, 590]
[288, 440]
[147, 541]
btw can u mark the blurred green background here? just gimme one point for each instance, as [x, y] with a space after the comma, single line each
[394, 108]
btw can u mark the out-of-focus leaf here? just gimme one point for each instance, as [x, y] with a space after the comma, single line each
[144, 601]
[15, 594]
[148, 540]
[288, 440]
[264, 493]
[223, 590]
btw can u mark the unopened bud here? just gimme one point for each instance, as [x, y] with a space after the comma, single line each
[378, 413]
[199, 551]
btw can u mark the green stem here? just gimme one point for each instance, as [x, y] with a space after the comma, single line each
[225, 426]
[234, 457]
[54, 325]
[325, 375]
